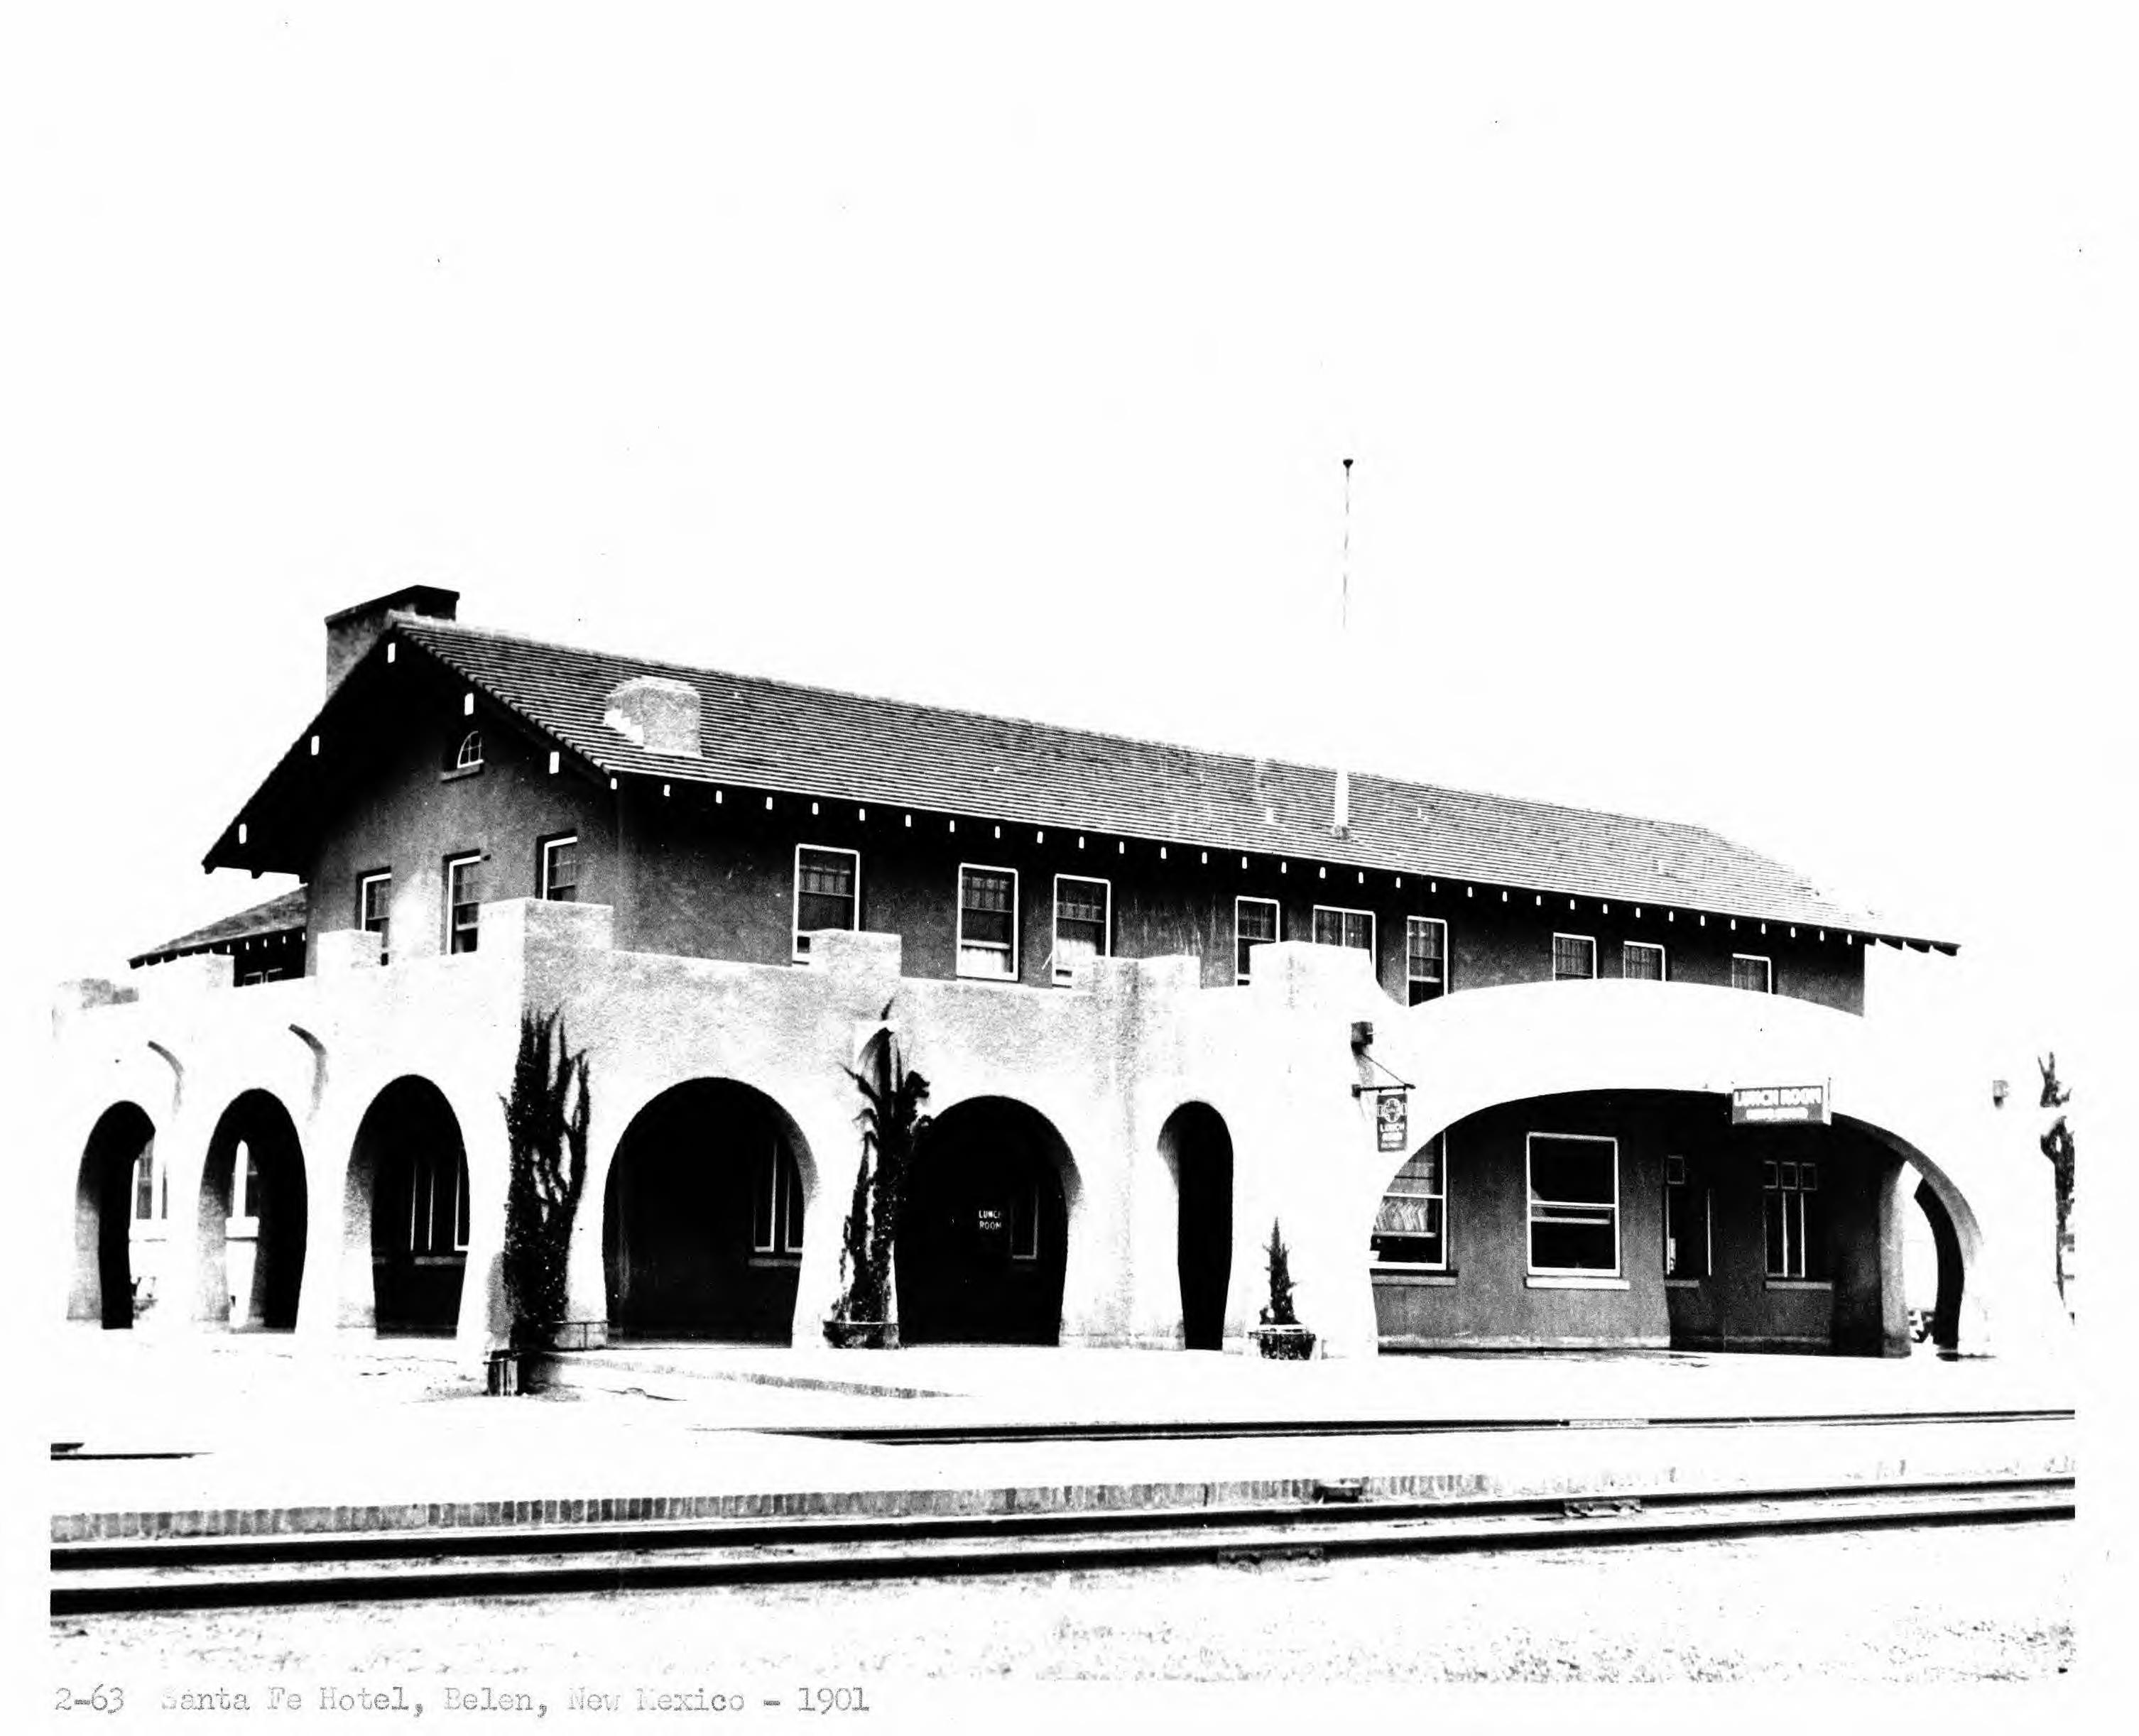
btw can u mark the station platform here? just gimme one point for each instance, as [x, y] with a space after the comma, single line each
[245, 1434]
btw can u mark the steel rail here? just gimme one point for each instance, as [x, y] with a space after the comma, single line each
[189, 1573]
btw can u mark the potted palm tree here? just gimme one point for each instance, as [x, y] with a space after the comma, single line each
[1281, 1337]
[865, 1316]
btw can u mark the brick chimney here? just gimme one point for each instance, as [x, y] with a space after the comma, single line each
[352, 632]
[660, 715]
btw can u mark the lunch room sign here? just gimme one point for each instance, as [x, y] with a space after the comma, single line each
[1770, 1103]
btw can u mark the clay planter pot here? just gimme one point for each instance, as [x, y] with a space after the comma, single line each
[1284, 1344]
[862, 1334]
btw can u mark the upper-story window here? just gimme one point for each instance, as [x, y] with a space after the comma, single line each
[375, 898]
[827, 892]
[1573, 957]
[1426, 958]
[1411, 1227]
[775, 1213]
[463, 902]
[560, 869]
[1790, 1195]
[1689, 1232]
[1254, 924]
[1748, 971]
[468, 756]
[1573, 1203]
[1080, 924]
[987, 922]
[1337, 927]
[1641, 960]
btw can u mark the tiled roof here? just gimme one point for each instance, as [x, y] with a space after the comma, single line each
[813, 741]
[282, 914]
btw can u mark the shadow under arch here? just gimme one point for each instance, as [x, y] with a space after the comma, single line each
[1956, 1232]
[703, 1213]
[1197, 1148]
[105, 1183]
[984, 1234]
[405, 1210]
[250, 1234]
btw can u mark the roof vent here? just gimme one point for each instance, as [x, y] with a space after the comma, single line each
[659, 715]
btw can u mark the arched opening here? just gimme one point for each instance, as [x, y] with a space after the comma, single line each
[119, 1178]
[984, 1237]
[1932, 1263]
[1198, 1150]
[408, 1203]
[703, 1218]
[250, 1236]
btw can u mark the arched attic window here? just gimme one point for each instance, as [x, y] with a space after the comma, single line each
[469, 756]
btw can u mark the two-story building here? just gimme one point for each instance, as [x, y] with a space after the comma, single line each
[1510, 1074]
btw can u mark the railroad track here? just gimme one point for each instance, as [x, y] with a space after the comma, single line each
[187, 1573]
[1254, 1428]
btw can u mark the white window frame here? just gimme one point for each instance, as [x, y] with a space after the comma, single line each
[1587, 939]
[383, 879]
[800, 948]
[1061, 972]
[784, 1244]
[1573, 1274]
[423, 1204]
[1016, 914]
[1791, 1181]
[1700, 1190]
[1032, 1222]
[1277, 922]
[1380, 1264]
[463, 760]
[466, 859]
[1767, 965]
[1663, 959]
[1442, 923]
[549, 845]
[1373, 940]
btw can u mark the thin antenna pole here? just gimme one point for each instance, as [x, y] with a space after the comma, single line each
[1340, 806]
[1344, 589]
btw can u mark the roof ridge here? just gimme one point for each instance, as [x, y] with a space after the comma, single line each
[1538, 805]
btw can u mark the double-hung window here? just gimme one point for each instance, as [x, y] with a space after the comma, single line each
[1749, 970]
[987, 922]
[1426, 958]
[1254, 924]
[561, 870]
[1337, 927]
[776, 1205]
[1080, 925]
[439, 1203]
[827, 892]
[146, 1175]
[1641, 960]
[1689, 1229]
[1574, 1204]
[1411, 1226]
[1790, 1194]
[375, 895]
[1573, 957]
[463, 902]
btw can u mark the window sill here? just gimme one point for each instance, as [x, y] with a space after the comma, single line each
[1413, 1277]
[454, 774]
[1800, 1283]
[777, 1260]
[1684, 1284]
[1001, 978]
[1573, 1281]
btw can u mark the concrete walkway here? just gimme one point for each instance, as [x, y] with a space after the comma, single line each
[397, 1435]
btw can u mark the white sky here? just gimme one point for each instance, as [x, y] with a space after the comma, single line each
[1742, 407]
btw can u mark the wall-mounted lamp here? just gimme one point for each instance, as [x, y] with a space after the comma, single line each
[1999, 1088]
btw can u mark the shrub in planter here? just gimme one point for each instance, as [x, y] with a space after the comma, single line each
[1281, 1337]
[545, 1129]
[865, 1317]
